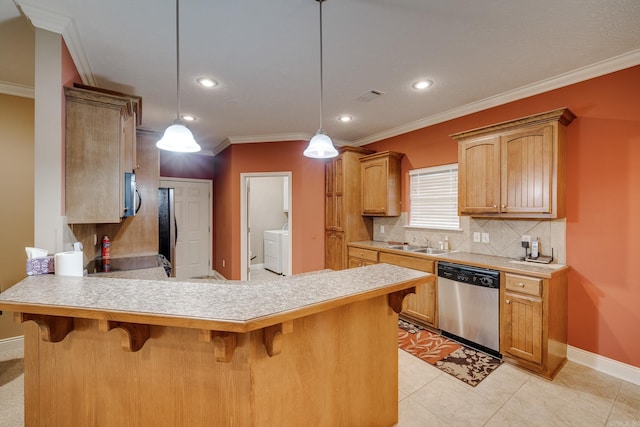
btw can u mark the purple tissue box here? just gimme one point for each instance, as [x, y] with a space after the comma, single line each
[44, 265]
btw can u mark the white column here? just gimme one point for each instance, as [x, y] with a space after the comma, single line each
[49, 226]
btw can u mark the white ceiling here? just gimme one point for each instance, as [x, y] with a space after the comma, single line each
[265, 54]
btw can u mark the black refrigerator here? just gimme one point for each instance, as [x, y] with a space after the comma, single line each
[168, 229]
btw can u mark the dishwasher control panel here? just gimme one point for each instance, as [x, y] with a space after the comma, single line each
[467, 274]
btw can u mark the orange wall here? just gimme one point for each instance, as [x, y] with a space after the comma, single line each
[603, 188]
[307, 187]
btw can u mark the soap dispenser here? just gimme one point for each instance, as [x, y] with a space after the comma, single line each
[446, 243]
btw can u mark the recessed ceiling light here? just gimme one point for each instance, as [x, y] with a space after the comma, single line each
[345, 118]
[188, 117]
[207, 82]
[422, 84]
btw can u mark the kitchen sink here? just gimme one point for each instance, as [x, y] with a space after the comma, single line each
[430, 251]
[408, 248]
[418, 249]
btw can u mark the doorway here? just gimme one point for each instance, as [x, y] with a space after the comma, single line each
[193, 218]
[265, 205]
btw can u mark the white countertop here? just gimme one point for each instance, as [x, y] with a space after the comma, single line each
[232, 305]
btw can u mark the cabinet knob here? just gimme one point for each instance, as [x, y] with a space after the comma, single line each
[521, 284]
[504, 206]
[507, 301]
[495, 206]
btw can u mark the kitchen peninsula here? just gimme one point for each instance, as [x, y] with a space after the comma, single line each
[311, 348]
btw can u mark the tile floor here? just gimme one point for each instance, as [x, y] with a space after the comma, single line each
[578, 396]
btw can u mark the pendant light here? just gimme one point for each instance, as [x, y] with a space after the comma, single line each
[321, 146]
[178, 137]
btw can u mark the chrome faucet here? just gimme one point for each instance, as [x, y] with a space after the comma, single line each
[426, 241]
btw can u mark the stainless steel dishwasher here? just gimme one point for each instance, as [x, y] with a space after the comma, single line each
[468, 305]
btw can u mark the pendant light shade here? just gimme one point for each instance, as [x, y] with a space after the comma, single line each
[320, 145]
[178, 137]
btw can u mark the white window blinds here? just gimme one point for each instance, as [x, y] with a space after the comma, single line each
[434, 197]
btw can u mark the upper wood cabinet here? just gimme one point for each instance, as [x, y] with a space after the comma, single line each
[100, 145]
[344, 222]
[515, 169]
[381, 175]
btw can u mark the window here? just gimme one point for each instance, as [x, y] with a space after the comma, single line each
[434, 197]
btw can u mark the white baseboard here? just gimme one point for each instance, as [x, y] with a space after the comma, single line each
[604, 364]
[13, 343]
[217, 275]
[257, 266]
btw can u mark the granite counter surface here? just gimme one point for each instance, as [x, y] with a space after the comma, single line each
[505, 264]
[231, 305]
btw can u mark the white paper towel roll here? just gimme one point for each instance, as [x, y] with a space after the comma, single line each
[69, 264]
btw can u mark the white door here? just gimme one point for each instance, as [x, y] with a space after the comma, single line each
[193, 217]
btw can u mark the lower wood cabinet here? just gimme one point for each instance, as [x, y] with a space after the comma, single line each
[533, 322]
[421, 307]
[334, 253]
[359, 257]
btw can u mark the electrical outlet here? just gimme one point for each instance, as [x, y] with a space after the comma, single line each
[476, 237]
[382, 229]
[526, 238]
[485, 237]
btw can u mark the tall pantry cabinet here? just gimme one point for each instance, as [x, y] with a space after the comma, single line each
[344, 222]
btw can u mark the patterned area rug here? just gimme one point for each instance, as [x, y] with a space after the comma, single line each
[464, 363]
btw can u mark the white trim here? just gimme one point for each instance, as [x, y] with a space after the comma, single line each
[13, 343]
[253, 267]
[598, 69]
[16, 89]
[605, 365]
[46, 20]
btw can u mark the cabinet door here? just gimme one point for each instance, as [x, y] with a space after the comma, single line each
[375, 186]
[522, 327]
[527, 168]
[422, 304]
[335, 251]
[334, 195]
[479, 175]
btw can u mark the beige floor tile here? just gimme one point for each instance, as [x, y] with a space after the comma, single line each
[502, 383]
[543, 404]
[504, 418]
[455, 402]
[626, 408]
[413, 373]
[412, 414]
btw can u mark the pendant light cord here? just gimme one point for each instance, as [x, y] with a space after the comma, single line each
[178, 59]
[321, 67]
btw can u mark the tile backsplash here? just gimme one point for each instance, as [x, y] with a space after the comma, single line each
[504, 235]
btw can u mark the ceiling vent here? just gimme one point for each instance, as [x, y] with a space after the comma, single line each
[370, 96]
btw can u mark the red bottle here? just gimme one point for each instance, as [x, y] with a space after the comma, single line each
[106, 247]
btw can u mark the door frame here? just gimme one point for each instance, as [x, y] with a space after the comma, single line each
[244, 219]
[209, 182]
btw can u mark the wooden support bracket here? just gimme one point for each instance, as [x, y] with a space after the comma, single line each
[52, 328]
[274, 337]
[395, 299]
[224, 343]
[136, 334]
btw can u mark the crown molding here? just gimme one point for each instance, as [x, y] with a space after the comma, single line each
[16, 89]
[598, 69]
[66, 27]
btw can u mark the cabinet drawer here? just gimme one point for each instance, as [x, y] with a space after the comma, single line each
[523, 284]
[364, 254]
[407, 261]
